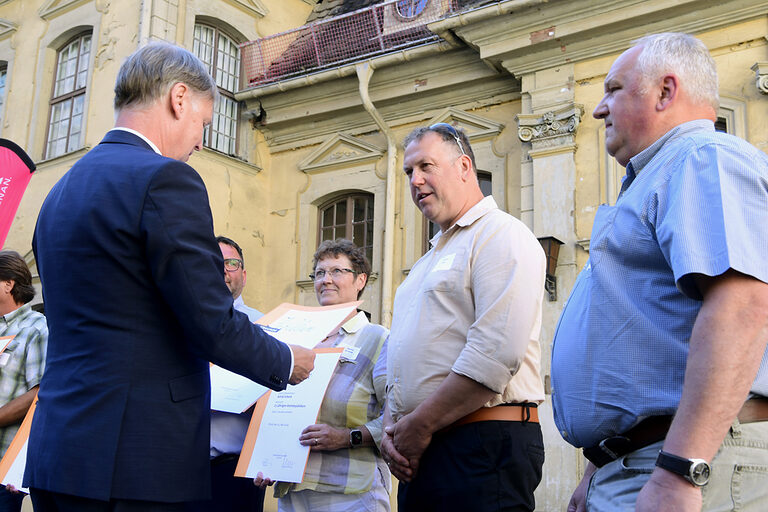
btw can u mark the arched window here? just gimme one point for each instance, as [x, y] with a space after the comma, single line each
[65, 125]
[348, 217]
[222, 56]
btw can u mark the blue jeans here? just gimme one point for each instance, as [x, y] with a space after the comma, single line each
[739, 479]
[10, 502]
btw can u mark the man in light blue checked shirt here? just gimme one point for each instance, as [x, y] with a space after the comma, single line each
[659, 366]
[22, 362]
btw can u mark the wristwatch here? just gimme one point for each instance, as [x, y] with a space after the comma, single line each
[696, 471]
[355, 438]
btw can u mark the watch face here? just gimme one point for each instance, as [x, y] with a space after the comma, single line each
[356, 437]
[700, 473]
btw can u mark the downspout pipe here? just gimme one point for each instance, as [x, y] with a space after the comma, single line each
[145, 19]
[364, 72]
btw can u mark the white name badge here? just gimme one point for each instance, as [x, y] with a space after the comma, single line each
[350, 353]
[444, 263]
[4, 357]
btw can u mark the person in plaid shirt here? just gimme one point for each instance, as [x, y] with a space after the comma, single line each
[22, 361]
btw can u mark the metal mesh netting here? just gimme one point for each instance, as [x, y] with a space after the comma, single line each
[377, 29]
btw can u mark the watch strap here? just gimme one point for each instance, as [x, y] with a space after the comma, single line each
[683, 467]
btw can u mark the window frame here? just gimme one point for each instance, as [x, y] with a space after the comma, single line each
[349, 224]
[71, 95]
[223, 93]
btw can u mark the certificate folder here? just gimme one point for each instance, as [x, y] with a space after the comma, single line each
[305, 326]
[272, 443]
[15, 459]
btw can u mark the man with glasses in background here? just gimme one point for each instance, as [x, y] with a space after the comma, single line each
[234, 275]
[463, 368]
[227, 429]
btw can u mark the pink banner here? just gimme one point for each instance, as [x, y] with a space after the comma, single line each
[15, 172]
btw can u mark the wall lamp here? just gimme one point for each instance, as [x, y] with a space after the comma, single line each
[551, 246]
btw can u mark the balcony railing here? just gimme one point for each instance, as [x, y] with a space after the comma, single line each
[374, 30]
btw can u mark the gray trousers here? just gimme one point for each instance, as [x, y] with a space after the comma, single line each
[739, 479]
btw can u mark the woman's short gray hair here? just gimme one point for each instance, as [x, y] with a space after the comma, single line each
[686, 57]
[149, 72]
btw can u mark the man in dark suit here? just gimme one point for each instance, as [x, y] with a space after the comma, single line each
[137, 306]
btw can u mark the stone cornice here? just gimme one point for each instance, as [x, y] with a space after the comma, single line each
[7, 28]
[476, 127]
[761, 76]
[554, 124]
[570, 31]
[340, 150]
[412, 92]
[53, 8]
[251, 6]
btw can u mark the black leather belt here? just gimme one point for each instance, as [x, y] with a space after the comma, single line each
[655, 428]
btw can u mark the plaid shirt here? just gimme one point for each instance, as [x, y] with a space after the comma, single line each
[355, 397]
[22, 362]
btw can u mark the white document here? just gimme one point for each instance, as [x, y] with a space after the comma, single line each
[308, 328]
[15, 473]
[276, 451]
[231, 392]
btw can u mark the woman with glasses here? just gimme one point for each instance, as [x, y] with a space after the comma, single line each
[345, 471]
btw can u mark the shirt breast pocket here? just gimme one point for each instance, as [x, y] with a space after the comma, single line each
[442, 281]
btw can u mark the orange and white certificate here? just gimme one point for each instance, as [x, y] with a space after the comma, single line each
[305, 326]
[272, 442]
[15, 459]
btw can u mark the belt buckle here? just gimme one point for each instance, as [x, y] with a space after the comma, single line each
[615, 446]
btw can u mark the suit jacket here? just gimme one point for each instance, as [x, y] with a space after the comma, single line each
[136, 304]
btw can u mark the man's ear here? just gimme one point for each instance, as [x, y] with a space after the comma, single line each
[669, 89]
[466, 167]
[178, 94]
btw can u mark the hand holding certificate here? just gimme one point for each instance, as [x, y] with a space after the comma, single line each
[297, 325]
[272, 443]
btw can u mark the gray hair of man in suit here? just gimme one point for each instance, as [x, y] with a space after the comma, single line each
[149, 72]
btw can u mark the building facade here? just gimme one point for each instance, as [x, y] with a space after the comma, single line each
[301, 150]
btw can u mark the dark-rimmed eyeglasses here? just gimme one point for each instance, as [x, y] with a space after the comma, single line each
[232, 264]
[451, 131]
[335, 273]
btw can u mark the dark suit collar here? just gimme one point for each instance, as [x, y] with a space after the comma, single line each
[123, 137]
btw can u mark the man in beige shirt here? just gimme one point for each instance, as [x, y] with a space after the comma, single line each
[463, 370]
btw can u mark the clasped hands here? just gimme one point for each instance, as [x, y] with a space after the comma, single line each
[403, 444]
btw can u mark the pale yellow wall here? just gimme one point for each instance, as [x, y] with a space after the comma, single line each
[238, 192]
[735, 49]
[262, 202]
[33, 48]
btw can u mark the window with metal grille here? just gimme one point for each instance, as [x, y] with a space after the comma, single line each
[485, 179]
[349, 217]
[65, 125]
[222, 57]
[3, 75]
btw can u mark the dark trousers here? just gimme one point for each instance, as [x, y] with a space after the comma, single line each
[484, 466]
[47, 501]
[230, 493]
[10, 502]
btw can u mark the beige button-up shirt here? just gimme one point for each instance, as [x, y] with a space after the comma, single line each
[471, 305]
